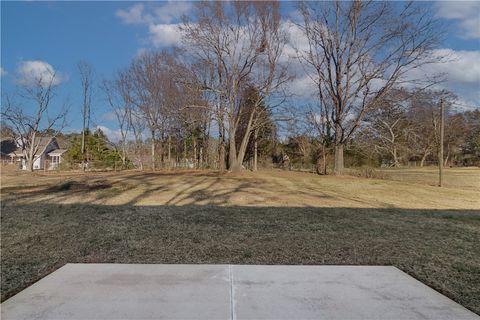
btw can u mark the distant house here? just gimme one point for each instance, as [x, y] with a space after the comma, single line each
[49, 155]
[56, 157]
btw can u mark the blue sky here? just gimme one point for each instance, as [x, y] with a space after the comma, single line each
[109, 35]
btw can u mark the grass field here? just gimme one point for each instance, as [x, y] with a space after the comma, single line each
[460, 178]
[270, 217]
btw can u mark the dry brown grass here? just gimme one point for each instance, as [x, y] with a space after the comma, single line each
[264, 188]
[269, 217]
[458, 178]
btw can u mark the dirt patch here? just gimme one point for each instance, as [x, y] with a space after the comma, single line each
[80, 186]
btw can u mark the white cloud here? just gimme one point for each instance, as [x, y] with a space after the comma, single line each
[166, 14]
[112, 134]
[163, 35]
[161, 21]
[303, 86]
[141, 52]
[461, 66]
[172, 11]
[109, 116]
[33, 72]
[134, 15]
[3, 72]
[460, 70]
[467, 13]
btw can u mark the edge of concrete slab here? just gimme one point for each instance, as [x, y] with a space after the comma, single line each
[230, 273]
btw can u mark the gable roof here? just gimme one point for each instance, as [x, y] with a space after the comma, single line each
[57, 152]
[42, 144]
[7, 145]
[63, 142]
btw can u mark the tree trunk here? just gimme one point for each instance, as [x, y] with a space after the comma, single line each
[162, 153]
[322, 162]
[221, 147]
[153, 150]
[324, 155]
[255, 150]
[169, 151]
[194, 141]
[233, 164]
[424, 157]
[339, 164]
[447, 157]
[31, 154]
[318, 166]
[395, 157]
[185, 152]
[30, 165]
[221, 156]
[83, 145]
[237, 163]
[124, 155]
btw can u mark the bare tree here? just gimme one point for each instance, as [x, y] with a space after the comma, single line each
[86, 78]
[121, 107]
[156, 93]
[424, 121]
[387, 126]
[357, 52]
[316, 118]
[40, 92]
[455, 133]
[137, 123]
[242, 44]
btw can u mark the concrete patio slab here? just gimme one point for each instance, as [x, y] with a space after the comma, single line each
[337, 292]
[127, 291]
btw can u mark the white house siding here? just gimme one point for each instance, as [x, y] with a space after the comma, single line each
[38, 163]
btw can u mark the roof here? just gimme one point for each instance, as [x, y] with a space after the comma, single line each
[7, 145]
[57, 152]
[42, 143]
[63, 142]
[16, 153]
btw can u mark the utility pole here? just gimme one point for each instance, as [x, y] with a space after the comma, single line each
[440, 149]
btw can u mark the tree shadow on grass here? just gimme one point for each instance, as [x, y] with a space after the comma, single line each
[166, 188]
[438, 247]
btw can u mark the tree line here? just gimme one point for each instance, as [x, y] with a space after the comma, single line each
[223, 100]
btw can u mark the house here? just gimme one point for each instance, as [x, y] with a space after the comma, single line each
[48, 157]
[56, 157]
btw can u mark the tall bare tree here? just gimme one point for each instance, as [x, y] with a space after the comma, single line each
[387, 126]
[357, 52]
[424, 121]
[86, 79]
[242, 44]
[121, 107]
[137, 124]
[40, 92]
[155, 92]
